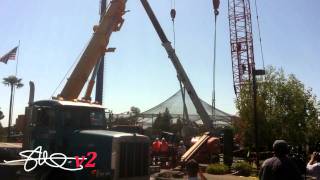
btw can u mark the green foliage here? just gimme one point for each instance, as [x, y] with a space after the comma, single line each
[163, 121]
[285, 110]
[135, 111]
[217, 168]
[177, 127]
[131, 117]
[12, 81]
[1, 115]
[1, 131]
[243, 168]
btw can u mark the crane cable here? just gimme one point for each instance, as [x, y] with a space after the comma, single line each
[182, 88]
[259, 33]
[216, 4]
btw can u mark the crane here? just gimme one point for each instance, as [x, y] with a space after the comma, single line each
[241, 42]
[182, 75]
[242, 55]
[111, 21]
[100, 73]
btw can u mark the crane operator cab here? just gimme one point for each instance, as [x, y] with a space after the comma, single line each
[76, 128]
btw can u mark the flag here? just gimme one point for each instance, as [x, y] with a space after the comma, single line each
[11, 55]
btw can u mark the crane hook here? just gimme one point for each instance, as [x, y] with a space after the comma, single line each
[216, 4]
[173, 14]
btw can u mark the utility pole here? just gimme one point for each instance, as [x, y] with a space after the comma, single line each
[256, 73]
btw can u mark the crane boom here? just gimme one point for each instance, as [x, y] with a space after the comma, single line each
[241, 43]
[111, 21]
[179, 68]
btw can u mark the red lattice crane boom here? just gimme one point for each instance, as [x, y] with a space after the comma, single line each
[241, 42]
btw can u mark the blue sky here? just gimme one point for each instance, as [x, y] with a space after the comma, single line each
[53, 34]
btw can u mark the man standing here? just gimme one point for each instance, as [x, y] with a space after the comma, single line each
[181, 149]
[156, 150]
[279, 167]
[313, 167]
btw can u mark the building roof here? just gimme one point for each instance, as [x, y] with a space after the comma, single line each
[175, 107]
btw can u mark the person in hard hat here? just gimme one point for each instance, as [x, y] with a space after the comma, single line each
[164, 147]
[156, 149]
[164, 152]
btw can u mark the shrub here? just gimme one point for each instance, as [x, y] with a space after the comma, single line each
[243, 168]
[217, 169]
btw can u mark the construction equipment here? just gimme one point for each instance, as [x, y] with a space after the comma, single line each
[241, 42]
[112, 21]
[75, 127]
[242, 54]
[202, 149]
[182, 75]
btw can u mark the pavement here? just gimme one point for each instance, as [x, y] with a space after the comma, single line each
[214, 177]
[228, 177]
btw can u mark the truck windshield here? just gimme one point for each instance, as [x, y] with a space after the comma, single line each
[83, 118]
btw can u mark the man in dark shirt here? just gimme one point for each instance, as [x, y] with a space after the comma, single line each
[279, 167]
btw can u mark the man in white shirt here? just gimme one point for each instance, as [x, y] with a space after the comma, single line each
[313, 166]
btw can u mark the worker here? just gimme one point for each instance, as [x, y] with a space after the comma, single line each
[164, 147]
[181, 149]
[164, 152]
[156, 150]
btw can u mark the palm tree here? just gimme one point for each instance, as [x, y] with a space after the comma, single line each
[13, 82]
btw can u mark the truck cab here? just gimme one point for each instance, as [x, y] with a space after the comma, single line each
[77, 128]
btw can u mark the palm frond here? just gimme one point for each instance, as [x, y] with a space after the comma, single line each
[12, 81]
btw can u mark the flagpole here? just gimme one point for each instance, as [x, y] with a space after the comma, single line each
[17, 59]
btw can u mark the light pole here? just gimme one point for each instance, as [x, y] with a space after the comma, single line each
[255, 73]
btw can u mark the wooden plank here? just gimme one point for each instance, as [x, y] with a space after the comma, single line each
[195, 147]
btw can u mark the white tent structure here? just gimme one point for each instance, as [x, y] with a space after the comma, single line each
[175, 106]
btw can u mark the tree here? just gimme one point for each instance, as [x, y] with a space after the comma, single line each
[177, 127]
[13, 82]
[285, 110]
[163, 121]
[1, 115]
[135, 111]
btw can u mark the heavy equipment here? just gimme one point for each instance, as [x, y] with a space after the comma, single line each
[75, 127]
[183, 77]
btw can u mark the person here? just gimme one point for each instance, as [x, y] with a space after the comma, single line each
[164, 153]
[279, 167]
[156, 150]
[164, 147]
[192, 168]
[181, 149]
[313, 166]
